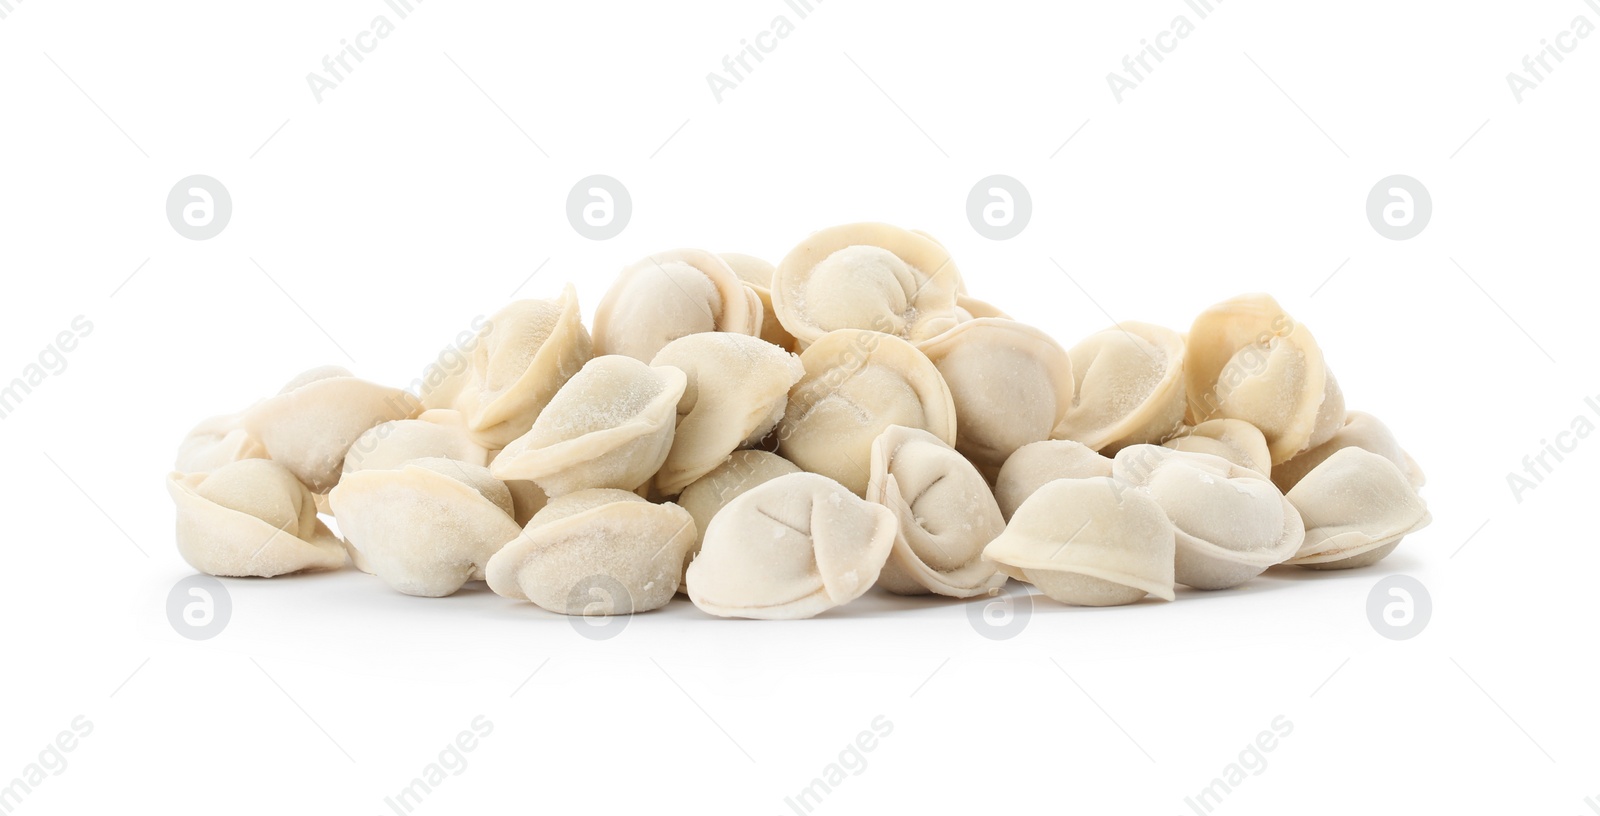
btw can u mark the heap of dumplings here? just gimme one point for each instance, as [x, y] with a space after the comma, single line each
[775, 441]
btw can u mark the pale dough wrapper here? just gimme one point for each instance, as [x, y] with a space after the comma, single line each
[439, 433]
[596, 552]
[1357, 506]
[669, 295]
[757, 274]
[251, 517]
[1011, 383]
[970, 308]
[710, 493]
[1089, 542]
[1037, 464]
[310, 425]
[1248, 359]
[1235, 440]
[946, 513]
[1231, 521]
[215, 442]
[790, 548]
[737, 390]
[611, 426]
[521, 357]
[1360, 430]
[866, 276]
[1129, 387]
[426, 527]
[857, 383]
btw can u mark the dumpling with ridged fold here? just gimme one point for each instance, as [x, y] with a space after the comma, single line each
[757, 274]
[970, 308]
[1012, 384]
[439, 433]
[866, 276]
[946, 511]
[611, 426]
[1360, 430]
[856, 384]
[251, 517]
[668, 295]
[1037, 464]
[1357, 506]
[217, 441]
[596, 552]
[310, 425]
[743, 471]
[1231, 521]
[1089, 542]
[520, 358]
[790, 548]
[1248, 359]
[737, 389]
[1129, 387]
[426, 527]
[1233, 439]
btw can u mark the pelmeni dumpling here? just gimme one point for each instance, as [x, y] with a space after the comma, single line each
[970, 308]
[669, 295]
[1089, 542]
[1360, 430]
[946, 511]
[790, 548]
[1130, 387]
[439, 433]
[1248, 359]
[596, 552]
[737, 390]
[857, 383]
[1233, 439]
[251, 517]
[1011, 384]
[215, 442]
[1231, 522]
[866, 276]
[520, 358]
[426, 527]
[745, 469]
[310, 425]
[757, 274]
[1037, 464]
[1357, 506]
[611, 425]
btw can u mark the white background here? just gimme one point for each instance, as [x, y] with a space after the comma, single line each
[413, 198]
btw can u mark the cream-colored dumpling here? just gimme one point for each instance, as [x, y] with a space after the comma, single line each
[1360, 430]
[1090, 542]
[1233, 439]
[1248, 359]
[946, 513]
[857, 383]
[596, 552]
[426, 527]
[611, 426]
[251, 517]
[669, 295]
[310, 425]
[520, 358]
[1011, 383]
[439, 433]
[757, 274]
[1231, 521]
[790, 548]
[215, 442]
[1357, 506]
[1130, 387]
[710, 493]
[737, 390]
[866, 276]
[970, 308]
[1037, 464]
